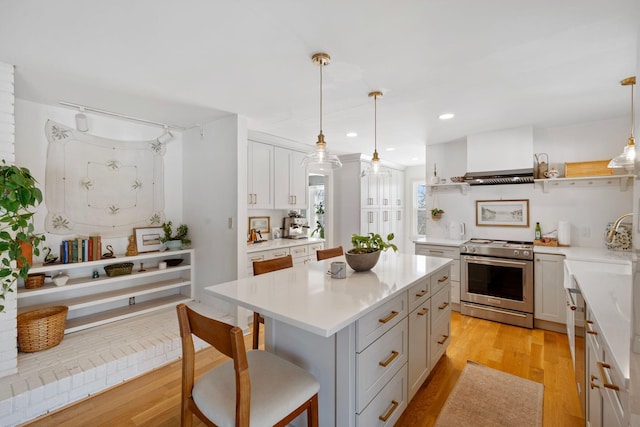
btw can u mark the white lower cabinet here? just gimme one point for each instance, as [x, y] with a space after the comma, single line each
[442, 251]
[419, 365]
[440, 323]
[388, 405]
[549, 294]
[607, 398]
[301, 254]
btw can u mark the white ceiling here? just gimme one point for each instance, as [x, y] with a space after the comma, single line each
[496, 64]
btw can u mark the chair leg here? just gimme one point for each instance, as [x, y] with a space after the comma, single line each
[256, 330]
[312, 412]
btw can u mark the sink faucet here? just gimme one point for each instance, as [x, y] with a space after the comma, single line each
[615, 226]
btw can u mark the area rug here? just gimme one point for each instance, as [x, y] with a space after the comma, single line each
[486, 397]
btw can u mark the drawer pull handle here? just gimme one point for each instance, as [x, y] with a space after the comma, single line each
[258, 258]
[443, 278]
[589, 329]
[431, 251]
[424, 311]
[443, 306]
[444, 338]
[421, 293]
[279, 255]
[601, 368]
[390, 359]
[389, 317]
[391, 410]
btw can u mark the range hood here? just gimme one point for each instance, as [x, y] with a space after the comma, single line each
[500, 157]
[513, 176]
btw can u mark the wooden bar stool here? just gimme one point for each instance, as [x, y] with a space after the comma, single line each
[262, 267]
[329, 253]
[275, 393]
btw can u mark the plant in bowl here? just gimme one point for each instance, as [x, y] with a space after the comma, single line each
[18, 195]
[175, 241]
[366, 250]
[436, 214]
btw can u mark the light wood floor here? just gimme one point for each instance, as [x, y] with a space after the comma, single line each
[153, 399]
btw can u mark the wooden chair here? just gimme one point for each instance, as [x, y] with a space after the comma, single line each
[262, 267]
[268, 389]
[329, 253]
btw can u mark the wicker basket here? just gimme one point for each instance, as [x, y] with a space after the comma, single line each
[34, 281]
[42, 328]
[119, 269]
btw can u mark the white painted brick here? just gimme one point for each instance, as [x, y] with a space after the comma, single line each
[19, 386]
[20, 402]
[5, 391]
[5, 408]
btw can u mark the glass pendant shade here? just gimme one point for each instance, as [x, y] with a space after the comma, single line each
[321, 159]
[375, 168]
[628, 157]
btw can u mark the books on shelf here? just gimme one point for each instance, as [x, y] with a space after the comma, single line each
[81, 249]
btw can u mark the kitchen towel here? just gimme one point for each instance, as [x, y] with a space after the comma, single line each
[564, 233]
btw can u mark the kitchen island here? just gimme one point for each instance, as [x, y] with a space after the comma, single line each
[351, 334]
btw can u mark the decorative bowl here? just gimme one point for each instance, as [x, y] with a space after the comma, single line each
[172, 262]
[362, 262]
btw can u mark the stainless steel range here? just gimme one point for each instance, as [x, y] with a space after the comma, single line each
[497, 281]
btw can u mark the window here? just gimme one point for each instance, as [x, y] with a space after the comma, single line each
[419, 205]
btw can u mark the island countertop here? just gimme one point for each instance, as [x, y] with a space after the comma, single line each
[306, 296]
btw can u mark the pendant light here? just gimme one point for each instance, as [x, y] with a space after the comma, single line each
[375, 168]
[320, 159]
[628, 157]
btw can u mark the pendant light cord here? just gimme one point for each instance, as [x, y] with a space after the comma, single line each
[633, 115]
[321, 65]
[375, 123]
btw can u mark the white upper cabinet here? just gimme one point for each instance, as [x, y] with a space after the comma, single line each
[260, 175]
[397, 188]
[369, 192]
[290, 180]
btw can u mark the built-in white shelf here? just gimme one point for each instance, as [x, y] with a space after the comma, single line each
[621, 181]
[97, 301]
[463, 187]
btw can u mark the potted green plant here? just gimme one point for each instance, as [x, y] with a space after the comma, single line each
[436, 214]
[366, 250]
[18, 195]
[175, 241]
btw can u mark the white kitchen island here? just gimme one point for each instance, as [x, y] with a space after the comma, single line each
[351, 334]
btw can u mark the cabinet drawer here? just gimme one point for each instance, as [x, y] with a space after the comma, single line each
[313, 248]
[438, 251]
[379, 362]
[264, 255]
[440, 337]
[418, 293]
[299, 251]
[388, 405]
[441, 304]
[440, 279]
[372, 325]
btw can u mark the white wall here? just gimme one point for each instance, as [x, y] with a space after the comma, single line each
[31, 152]
[588, 210]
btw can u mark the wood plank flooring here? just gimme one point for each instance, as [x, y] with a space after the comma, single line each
[153, 399]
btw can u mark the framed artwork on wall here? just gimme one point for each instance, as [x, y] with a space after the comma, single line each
[260, 223]
[148, 238]
[502, 213]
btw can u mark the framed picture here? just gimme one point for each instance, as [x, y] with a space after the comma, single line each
[502, 213]
[148, 238]
[260, 223]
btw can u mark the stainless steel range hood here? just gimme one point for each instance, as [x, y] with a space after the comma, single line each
[513, 176]
[500, 157]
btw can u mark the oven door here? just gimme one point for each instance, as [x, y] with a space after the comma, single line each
[498, 282]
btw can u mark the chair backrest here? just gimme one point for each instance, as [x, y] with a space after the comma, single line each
[329, 253]
[261, 267]
[227, 339]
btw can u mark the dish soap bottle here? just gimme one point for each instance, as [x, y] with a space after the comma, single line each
[538, 231]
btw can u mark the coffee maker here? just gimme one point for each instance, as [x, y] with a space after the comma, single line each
[295, 226]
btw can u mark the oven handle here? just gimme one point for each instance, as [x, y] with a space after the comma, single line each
[510, 313]
[494, 261]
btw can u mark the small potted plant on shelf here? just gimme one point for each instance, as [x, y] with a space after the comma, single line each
[18, 242]
[175, 241]
[436, 214]
[366, 250]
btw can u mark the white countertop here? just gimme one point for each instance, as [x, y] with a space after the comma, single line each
[587, 254]
[306, 297]
[280, 244]
[439, 241]
[606, 288]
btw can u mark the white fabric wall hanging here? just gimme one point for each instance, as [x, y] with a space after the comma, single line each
[102, 186]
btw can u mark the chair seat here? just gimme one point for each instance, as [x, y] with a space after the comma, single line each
[278, 387]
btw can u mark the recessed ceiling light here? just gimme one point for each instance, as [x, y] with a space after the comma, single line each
[415, 159]
[446, 116]
[390, 149]
[352, 134]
